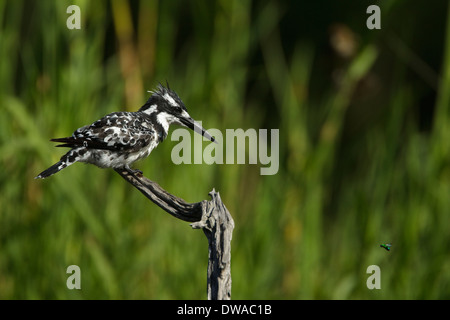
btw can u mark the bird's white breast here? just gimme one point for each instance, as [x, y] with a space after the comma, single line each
[114, 159]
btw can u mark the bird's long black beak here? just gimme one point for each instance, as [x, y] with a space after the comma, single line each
[193, 125]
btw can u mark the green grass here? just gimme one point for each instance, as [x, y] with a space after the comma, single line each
[309, 232]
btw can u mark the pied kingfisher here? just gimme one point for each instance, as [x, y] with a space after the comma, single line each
[121, 138]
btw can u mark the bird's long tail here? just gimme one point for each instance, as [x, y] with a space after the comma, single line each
[52, 170]
[65, 161]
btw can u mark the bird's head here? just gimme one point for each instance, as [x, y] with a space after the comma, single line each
[167, 108]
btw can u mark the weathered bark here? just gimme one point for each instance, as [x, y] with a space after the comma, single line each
[217, 224]
[210, 216]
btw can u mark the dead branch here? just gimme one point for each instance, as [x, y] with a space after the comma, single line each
[210, 216]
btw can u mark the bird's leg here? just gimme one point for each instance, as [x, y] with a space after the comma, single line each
[133, 171]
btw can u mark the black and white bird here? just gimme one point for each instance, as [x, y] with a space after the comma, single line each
[121, 138]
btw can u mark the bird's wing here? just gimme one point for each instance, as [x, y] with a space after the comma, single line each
[118, 131]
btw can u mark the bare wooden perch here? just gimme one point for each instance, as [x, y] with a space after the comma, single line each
[210, 216]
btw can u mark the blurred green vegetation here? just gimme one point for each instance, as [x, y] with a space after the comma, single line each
[364, 120]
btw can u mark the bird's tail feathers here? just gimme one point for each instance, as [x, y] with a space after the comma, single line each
[52, 170]
[66, 160]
